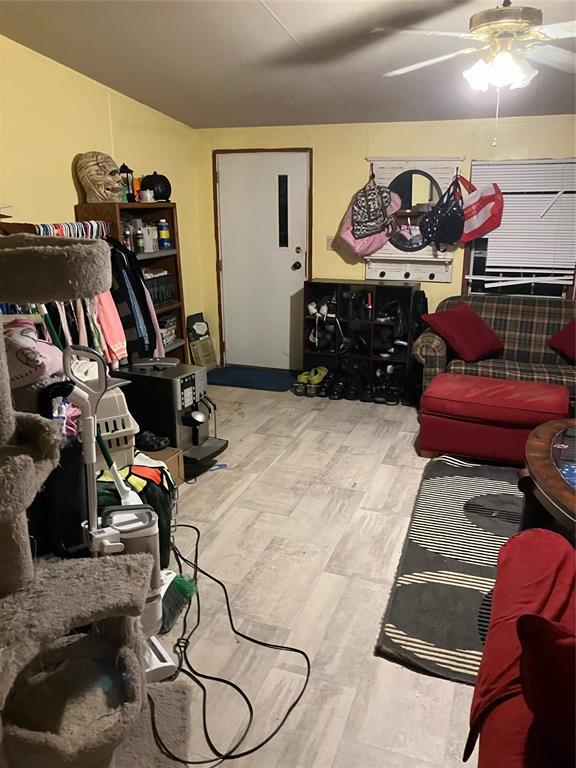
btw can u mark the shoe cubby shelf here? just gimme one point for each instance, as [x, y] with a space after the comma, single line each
[357, 320]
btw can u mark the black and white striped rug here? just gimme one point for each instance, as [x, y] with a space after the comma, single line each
[439, 608]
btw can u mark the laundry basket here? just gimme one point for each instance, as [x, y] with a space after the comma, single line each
[118, 428]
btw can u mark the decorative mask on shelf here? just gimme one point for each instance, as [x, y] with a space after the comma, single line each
[99, 176]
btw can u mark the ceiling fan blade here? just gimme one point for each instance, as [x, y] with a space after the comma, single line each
[430, 62]
[426, 33]
[552, 56]
[352, 36]
[559, 31]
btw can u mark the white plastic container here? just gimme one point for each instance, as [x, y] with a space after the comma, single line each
[118, 428]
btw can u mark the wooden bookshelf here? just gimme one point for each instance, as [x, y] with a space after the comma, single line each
[150, 213]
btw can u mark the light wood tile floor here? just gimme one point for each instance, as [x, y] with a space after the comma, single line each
[305, 526]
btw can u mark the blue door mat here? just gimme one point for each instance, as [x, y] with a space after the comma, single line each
[250, 377]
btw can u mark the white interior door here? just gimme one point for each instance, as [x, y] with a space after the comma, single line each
[263, 229]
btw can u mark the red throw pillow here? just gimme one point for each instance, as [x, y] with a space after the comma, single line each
[465, 332]
[564, 341]
[548, 672]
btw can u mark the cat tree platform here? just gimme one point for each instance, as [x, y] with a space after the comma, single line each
[87, 673]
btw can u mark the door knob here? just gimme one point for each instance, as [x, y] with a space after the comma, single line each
[296, 265]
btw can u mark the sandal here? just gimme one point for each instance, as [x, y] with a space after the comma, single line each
[317, 375]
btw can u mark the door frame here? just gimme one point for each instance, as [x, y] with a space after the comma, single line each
[218, 263]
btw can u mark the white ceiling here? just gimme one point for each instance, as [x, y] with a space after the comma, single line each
[215, 63]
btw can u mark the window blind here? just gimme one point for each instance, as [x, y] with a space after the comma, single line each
[537, 236]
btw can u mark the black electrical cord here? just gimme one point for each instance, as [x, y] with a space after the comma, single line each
[256, 641]
[181, 650]
[264, 644]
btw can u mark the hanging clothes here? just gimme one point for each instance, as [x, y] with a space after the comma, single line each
[87, 229]
[78, 322]
[119, 324]
[96, 342]
[133, 301]
[159, 348]
[81, 322]
[57, 312]
[72, 321]
[109, 321]
[130, 299]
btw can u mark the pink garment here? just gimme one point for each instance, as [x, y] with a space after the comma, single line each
[159, 350]
[109, 321]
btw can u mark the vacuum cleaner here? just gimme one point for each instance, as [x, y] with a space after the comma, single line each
[131, 527]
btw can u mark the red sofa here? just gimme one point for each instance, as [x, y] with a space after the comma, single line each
[523, 709]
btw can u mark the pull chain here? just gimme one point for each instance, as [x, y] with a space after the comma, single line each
[497, 117]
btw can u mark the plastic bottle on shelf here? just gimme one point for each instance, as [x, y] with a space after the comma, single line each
[163, 235]
[127, 240]
[139, 242]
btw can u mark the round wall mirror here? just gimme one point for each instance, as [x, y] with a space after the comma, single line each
[419, 192]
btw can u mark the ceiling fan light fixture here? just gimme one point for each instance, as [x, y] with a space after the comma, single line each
[502, 70]
[526, 73]
[478, 76]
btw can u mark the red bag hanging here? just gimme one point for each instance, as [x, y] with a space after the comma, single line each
[483, 209]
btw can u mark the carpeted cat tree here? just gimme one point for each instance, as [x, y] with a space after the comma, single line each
[67, 700]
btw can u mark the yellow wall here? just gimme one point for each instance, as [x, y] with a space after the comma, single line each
[340, 169]
[49, 113]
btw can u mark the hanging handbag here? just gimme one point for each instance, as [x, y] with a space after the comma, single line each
[444, 224]
[369, 210]
[366, 246]
[483, 209]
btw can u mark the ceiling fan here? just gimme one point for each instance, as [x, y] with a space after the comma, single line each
[510, 35]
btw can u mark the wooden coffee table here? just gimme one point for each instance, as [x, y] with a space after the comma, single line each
[549, 481]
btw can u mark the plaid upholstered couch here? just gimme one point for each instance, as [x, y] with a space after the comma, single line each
[524, 323]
